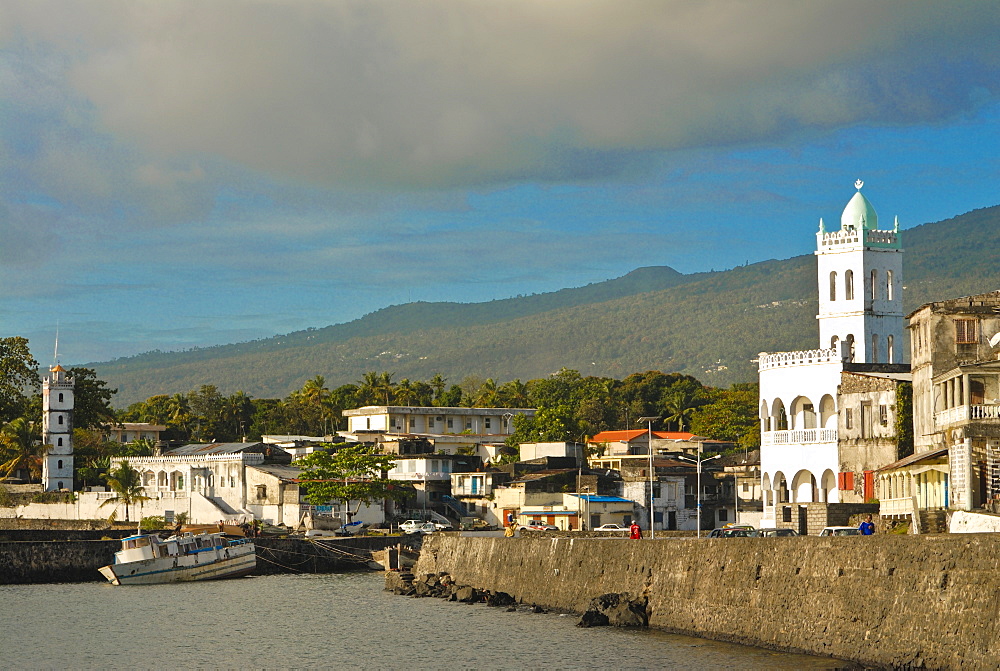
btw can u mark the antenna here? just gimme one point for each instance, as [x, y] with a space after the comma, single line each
[55, 355]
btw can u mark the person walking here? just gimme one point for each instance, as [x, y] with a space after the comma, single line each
[634, 531]
[867, 527]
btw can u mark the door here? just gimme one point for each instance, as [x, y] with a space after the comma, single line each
[869, 487]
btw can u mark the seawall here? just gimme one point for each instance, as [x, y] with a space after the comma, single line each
[37, 561]
[891, 601]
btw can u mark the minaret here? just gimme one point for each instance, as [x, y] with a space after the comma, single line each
[57, 430]
[860, 273]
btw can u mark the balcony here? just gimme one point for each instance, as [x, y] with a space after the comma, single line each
[798, 437]
[966, 413]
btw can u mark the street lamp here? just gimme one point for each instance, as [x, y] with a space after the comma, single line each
[698, 492]
[649, 424]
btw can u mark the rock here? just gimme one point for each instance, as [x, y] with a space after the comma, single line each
[466, 594]
[500, 599]
[593, 618]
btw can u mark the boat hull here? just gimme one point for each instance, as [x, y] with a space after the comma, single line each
[236, 561]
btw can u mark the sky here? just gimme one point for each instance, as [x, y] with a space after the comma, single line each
[198, 172]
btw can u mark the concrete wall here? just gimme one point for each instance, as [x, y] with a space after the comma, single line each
[884, 600]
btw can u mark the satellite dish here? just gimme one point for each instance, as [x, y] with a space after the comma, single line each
[995, 340]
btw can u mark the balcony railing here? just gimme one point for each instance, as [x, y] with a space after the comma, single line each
[902, 506]
[963, 413]
[798, 437]
[803, 358]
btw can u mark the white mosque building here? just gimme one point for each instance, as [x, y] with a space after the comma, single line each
[859, 274]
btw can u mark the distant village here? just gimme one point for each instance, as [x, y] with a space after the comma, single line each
[853, 427]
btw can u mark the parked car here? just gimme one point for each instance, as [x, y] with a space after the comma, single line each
[611, 526]
[731, 531]
[538, 525]
[411, 526]
[840, 531]
[443, 527]
[774, 533]
[428, 528]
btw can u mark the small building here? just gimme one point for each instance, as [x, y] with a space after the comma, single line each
[129, 432]
[479, 431]
[529, 451]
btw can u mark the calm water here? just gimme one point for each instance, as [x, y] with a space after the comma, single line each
[324, 621]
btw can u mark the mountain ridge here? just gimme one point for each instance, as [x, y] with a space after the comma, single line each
[708, 324]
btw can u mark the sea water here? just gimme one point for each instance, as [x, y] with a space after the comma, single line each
[325, 621]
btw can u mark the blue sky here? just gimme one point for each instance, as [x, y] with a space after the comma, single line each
[186, 173]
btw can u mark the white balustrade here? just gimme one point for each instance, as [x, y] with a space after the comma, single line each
[803, 358]
[799, 437]
[961, 413]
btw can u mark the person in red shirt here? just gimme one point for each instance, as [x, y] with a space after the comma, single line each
[634, 531]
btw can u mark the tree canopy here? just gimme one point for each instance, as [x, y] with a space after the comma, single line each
[350, 473]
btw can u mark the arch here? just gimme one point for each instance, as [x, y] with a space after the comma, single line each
[176, 481]
[827, 412]
[849, 285]
[873, 357]
[60, 397]
[890, 349]
[874, 281]
[161, 479]
[804, 487]
[59, 442]
[780, 487]
[834, 341]
[828, 491]
[765, 489]
[59, 485]
[888, 285]
[148, 478]
[850, 346]
[779, 418]
[833, 285]
[803, 413]
[59, 464]
[60, 420]
[765, 417]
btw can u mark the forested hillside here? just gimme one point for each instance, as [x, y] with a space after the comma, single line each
[709, 325]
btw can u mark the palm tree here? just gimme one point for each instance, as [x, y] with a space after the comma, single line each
[438, 384]
[20, 448]
[487, 396]
[680, 401]
[406, 393]
[126, 483]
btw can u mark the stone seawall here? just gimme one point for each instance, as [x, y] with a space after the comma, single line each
[23, 562]
[892, 601]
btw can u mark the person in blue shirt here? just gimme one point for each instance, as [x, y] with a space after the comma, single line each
[867, 527]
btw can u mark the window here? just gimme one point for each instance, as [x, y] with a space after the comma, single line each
[468, 424]
[849, 285]
[413, 422]
[965, 332]
[487, 423]
[60, 419]
[888, 285]
[874, 285]
[845, 481]
[60, 397]
[890, 350]
[723, 516]
[746, 487]
[833, 342]
[59, 443]
[883, 415]
[850, 344]
[849, 418]
[874, 355]
[833, 286]
[59, 464]
[451, 423]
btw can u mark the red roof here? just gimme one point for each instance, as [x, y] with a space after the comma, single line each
[631, 434]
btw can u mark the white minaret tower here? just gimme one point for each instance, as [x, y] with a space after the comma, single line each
[57, 430]
[861, 285]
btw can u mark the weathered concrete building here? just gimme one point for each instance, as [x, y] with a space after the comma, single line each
[955, 347]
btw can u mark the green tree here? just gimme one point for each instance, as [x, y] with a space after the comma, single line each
[21, 448]
[91, 399]
[352, 473]
[680, 400]
[126, 484]
[18, 377]
[730, 414]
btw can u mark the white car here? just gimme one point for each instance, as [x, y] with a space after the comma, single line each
[411, 526]
[611, 526]
[840, 531]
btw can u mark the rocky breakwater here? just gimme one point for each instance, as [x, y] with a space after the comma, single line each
[881, 601]
[617, 610]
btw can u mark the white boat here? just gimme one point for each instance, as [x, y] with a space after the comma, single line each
[146, 559]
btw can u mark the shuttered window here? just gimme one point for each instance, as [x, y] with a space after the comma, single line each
[965, 332]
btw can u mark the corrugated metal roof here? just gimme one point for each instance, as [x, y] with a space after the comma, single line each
[196, 449]
[598, 498]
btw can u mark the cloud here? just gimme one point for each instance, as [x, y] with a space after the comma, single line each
[442, 94]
